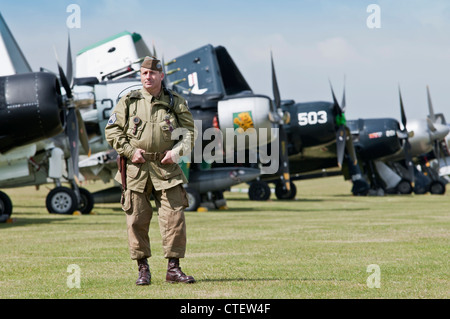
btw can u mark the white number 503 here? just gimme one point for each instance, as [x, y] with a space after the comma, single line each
[312, 118]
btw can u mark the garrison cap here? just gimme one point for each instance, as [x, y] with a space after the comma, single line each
[152, 63]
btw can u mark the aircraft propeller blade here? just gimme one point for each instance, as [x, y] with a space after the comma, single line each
[337, 108]
[349, 142]
[72, 134]
[408, 161]
[83, 133]
[437, 150]
[402, 110]
[75, 128]
[63, 79]
[343, 103]
[154, 50]
[431, 120]
[431, 125]
[430, 107]
[406, 145]
[69, 63]
[341, 136]
[284, 157]
[276, 91]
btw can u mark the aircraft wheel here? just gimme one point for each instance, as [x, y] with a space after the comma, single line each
[404, 187]
[259, 191]
[5, 204]
[194, 199]
[360, 188]
[420, 190]
[87, 201]
[437, 188]
[61, 200]
[281, 194]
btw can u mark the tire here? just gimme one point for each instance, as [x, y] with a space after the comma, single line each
[61, 200]
[259, 191]
[281, 194]
[360, 188]
[404, 187]
[87, 201]
[437, 188]
[5, 204]
[420, 190]
[194, 199]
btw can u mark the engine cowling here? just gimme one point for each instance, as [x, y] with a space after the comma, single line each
[312, 123]
[375, 138]
[31, 109]
[240, 114]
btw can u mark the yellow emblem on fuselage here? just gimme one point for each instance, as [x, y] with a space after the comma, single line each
[243, 121]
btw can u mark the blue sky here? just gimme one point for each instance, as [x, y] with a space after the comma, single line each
[312, 41]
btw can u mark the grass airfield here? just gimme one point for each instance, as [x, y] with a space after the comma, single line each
[325, 244]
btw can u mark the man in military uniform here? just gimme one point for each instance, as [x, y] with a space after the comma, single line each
[140, 129]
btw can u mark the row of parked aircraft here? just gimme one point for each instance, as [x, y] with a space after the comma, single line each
[52, 130]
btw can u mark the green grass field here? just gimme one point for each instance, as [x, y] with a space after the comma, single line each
[317, 246]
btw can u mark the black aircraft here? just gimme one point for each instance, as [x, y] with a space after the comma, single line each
[311, 136]
[390, 155]
[39, 127]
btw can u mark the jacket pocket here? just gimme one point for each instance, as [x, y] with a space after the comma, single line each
[126, 202]
[167, 171]
[166, 130]
[135, 130]
[133, 170]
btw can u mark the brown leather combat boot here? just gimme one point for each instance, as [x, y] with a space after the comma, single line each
[174, 273]
[144, 273]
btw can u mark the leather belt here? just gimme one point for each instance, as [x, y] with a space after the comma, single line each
[153, 156]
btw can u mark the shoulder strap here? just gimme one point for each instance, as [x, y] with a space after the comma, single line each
[170, 93]
[135, 94]
[171, 108]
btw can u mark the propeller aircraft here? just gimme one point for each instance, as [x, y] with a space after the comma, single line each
[304, 138]
[391, 155]
[40, 130]
[106, 71]
[311, 136]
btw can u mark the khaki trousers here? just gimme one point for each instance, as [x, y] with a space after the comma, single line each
[172, 225]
